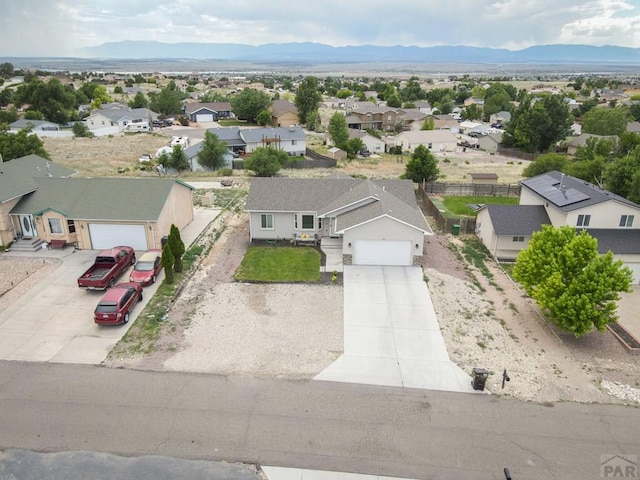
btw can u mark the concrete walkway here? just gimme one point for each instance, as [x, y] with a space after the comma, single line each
[332, 248]
[281, 473]
[391, 333]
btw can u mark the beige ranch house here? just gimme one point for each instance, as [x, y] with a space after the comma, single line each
[378, 222]
[45, 204]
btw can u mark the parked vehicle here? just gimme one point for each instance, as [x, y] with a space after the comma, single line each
[136, 127]
[116, 304]
[107, 267]
[182, 141]
[144, 158]
[146, 270]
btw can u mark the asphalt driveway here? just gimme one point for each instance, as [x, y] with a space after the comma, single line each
[391, 333]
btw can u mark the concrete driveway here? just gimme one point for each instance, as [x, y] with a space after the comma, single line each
[391, 333]
[53, 322]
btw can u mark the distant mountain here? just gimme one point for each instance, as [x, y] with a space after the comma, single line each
[316, 53]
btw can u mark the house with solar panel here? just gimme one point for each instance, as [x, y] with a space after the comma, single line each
[557, 199]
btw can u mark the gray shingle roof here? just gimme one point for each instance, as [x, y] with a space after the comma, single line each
[17, 176]
[231, 135]
[619, 241]
[193, 107]
[116, 115]
[569, 193]
[137, 199]
[520, 220]
[254, 135]
[395, 198]
[280, 107]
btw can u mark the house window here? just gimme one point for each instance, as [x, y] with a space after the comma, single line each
[55, 225]
[429, 145]
[626, 221]
[294, 142]
[307, 222]
[71, 226]
[266, 221]
[518, 239]
[583, 220]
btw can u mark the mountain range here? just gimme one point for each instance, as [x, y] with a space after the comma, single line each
[316, 53]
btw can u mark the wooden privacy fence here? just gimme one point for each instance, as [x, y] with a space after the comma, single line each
[310, 160]
[472, 189]
[463, 225]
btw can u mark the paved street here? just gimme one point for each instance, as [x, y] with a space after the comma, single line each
[313, 425]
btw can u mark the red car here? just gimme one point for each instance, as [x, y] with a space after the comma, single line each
[117, 303]
[147, 269]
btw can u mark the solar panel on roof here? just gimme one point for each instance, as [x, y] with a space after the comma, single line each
[568, 197]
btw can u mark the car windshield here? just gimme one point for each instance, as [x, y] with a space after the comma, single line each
[104, 307]
[143, 266]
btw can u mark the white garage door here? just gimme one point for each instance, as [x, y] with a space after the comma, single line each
[204, 118]
[105, 236]
[382, 252]
[635, 268]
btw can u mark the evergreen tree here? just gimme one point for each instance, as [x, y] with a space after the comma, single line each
[176, 245]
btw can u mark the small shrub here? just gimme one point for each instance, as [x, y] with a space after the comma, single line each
[225, 172]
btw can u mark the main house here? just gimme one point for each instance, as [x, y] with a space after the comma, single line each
[41, 201]
[557, 199]
[118, 117]
[208, 112]
[378, 222]
[291, 140]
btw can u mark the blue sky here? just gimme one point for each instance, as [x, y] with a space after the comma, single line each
[58, 27]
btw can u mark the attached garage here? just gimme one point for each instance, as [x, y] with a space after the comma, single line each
[382, 252]
[105, 236]
[205, 117]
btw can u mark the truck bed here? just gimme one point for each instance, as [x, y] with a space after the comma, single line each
[96, 273]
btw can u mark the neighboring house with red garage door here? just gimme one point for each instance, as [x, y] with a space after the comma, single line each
[94, 213]
[378, 221]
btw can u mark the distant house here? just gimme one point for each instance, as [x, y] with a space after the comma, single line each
[119, 117]
[35, 125]
[557, 199]
[468, 126]
[500, 117]
[434, 140]
[583, 138]
[292, 140]
[208, 112]
[284, 113]
[374, 117]
[490, 143]
[372, 144]
[446, 122]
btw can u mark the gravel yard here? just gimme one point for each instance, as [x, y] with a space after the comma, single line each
[19, 274]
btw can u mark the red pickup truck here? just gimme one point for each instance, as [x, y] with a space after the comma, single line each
[108, 266]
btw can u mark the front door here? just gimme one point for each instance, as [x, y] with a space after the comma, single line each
[27, 227]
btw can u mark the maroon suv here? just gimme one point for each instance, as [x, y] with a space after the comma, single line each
[117, 303]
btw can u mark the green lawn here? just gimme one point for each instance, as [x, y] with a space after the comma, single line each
[279, 264]
[458, 205]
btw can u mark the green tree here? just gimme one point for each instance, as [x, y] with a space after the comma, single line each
[213, 151]
[249, 103]
[622, 176]
[354, 145]
[546, 163]
[264, 118]
[178, 159]
[6, 70]
[313, 121]
[118, 90]
[605, 121]
[266, 161]
[634, 111]
[80, 129]
[100, 96]
[338, 130]
[538, 124]
[21, 144]
[167, 260]
[428, 124]
[139, 101]
[55, 100]
[167, 101]
[176, 245]
[307, 98]
[394, 101]
[472, 112]
[577, 287]
[8, 116]
[423, 166]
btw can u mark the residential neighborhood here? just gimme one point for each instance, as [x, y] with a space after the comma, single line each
[348, 231]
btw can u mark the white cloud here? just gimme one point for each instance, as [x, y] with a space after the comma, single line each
[56, 28]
